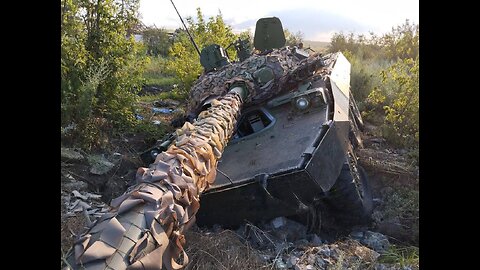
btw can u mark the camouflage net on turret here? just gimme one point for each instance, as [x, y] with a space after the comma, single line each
[287, 68]
[144, 229]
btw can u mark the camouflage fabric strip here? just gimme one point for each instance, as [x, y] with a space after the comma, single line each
[144, 229]
[288, 71]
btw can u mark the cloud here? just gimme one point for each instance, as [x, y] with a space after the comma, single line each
[315, 23]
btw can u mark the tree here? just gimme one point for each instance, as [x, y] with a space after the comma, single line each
[402, 42]
[401, 113]
[293, 39]
[156, 40]
[185, 62]
[384, 79]
[101, 69]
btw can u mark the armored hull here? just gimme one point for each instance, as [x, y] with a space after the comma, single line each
[283, 159]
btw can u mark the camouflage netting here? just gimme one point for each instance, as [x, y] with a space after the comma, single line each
[144, 229]
[287, 68]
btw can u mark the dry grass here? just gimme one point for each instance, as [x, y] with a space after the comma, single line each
[220, 250]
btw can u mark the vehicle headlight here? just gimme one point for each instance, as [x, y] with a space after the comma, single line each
[302, 103]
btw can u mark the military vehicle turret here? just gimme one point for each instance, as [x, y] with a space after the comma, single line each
[272, 134]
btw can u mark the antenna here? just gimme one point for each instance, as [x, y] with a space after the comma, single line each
[191, 39]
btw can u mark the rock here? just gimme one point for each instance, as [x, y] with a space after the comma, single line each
[279, 222]
[71, 155]
[373, 240]
[78, 195]
[357, 235]
[325, 252]
[100, 165]
[288, 230]
[376, 241]
[309, 267]
[279, 264]
[75, 185]
[334, 254]
[316, 241]
[292, 261]
[380, 266]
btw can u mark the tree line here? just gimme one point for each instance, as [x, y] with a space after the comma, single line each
[385, 80]
[103, 68]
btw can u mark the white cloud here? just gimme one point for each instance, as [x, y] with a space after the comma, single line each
[343, 15]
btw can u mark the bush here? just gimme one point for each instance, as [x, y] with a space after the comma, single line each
[101, 68]
[156, 41]
[401, 83]
[184, 63]
[384, 80]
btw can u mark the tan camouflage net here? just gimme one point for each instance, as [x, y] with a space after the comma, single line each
[144, 229]
[288, 71]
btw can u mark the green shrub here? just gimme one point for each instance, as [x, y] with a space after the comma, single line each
[399, 98]
[101, 68]
[184, 62]
[156, 41]
[384, 81]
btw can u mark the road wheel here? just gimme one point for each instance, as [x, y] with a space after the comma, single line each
[349, 201]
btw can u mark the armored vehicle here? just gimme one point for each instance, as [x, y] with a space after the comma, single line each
[270, 135]
[293, 150]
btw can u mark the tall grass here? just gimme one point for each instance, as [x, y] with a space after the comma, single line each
[155, 73]
[403, 256]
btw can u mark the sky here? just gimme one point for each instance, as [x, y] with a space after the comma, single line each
[316, 19]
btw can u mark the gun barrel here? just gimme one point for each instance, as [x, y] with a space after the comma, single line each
[144, 228]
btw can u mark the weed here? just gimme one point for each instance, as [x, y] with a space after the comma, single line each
[408, 255]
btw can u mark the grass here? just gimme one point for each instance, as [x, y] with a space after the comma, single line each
[155, 73]
[220, 250]
[166, 82]
[161, 96]
[404, 256]
[403, 203]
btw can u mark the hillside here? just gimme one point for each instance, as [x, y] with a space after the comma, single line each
[318, 46]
